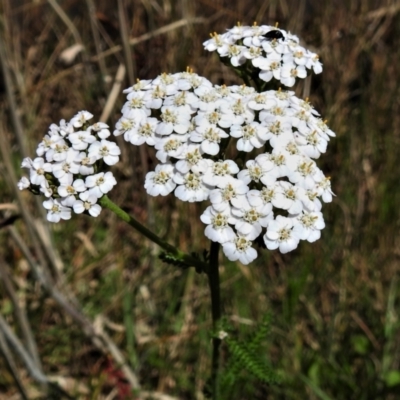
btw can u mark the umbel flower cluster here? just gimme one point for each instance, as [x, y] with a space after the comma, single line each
[194, 125]
[69, 169]
[274, 52]
[249, 154]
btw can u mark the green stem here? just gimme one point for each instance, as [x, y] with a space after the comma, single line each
[172, 250]
[213, 282]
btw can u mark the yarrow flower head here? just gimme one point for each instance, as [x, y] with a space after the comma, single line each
[275, 194]
[273, 52]
[249, 154]
[69, 167]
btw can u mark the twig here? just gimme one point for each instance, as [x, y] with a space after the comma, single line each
[130, 66]
[214, 284]
[20, 315]
[100, 339]
[36, 373]
[96, 37]
[150, 35]
[67, 21]
[12, 104]
[179, 255]
[114, 93]
[12, 367]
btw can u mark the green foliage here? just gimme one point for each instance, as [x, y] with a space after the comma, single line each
[247, 360]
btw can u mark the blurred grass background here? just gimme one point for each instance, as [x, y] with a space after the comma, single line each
[89, 300]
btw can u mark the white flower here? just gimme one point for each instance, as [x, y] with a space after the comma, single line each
[23, 183]
[251, 136]
[283, 164]
[230, 192]
[262, 199]
[250, 220]
[144, 133]
[217, 172]
[170, 146]
[262, 101]
[236, 112]
[154, 98]
[324, 189]
[87, 203]
[144, 84]
[274, 52]
[207, 99]
[210, 118]
[184, 101]
[70, 187]
[279, 131]
[239, 249]
[81, 118]
[101, 129]
[26, 163]
[57, 151]
[270, 67]
[218, 229]
[217, 42]
[69, 165]
[257, 170]
[209, 136]
[80, 140]
[173, 120]
[126, 125]
[65, 128]
[38, 168]
[191, 157]
[86, 163]
[310, 225]
[45, 189]
[282, 234]
[190, 187]
[312, 145]
[168, 82]
[306, 173]
[108, 151]
[314, 63]
[290, 72]
[160, 182]
[135, 107]
[47, 142]
[56, 210]
[100, 184]
[289, 197]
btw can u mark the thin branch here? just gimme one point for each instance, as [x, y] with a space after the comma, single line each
[114, 93]
[12, 367]
[67, 21]
[150, 35]
[12, 104]
[169, 248]
[99, 338]
[96, 37]
[124, 30]
[214, 284]
[20, 315]
[36, 374]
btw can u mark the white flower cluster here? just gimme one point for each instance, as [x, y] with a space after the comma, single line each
[66, 169]
[274, 52]
[190, 123]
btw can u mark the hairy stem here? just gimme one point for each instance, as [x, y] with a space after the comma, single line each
[213, 281]
[172, 250]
